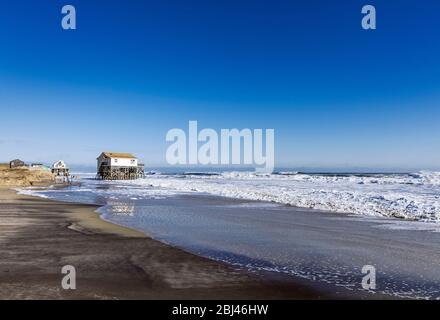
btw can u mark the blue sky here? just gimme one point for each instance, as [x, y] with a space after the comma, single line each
[337, 96]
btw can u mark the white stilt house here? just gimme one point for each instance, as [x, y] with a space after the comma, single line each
[60, 168]
[119, 166]
[61, 172]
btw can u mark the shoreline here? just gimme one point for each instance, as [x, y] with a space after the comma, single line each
[39, 236]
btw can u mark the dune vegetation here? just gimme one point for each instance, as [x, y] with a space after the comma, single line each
[23, 176]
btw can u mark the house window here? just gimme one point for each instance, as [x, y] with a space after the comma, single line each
[132, 161]
[116, 160]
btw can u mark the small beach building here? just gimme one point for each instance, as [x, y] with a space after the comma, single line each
[60, 168]
[61, 172]
[16, 163]
[119, 166]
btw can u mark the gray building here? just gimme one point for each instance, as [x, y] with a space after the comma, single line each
[16, 163]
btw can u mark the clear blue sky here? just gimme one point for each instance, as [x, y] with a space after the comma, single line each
[336, 95]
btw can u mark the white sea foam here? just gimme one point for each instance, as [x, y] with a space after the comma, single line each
[410, 196]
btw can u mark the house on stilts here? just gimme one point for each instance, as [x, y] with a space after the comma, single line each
[119, 166]
[61, 172]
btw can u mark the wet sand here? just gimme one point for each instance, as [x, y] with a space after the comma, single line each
[38, 237]
[323, 247]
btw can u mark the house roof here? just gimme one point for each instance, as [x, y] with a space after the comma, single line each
[118, 155]
[60, 164]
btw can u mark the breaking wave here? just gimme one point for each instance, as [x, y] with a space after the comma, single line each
[410, 196]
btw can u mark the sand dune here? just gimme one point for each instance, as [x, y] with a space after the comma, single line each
[23, 176]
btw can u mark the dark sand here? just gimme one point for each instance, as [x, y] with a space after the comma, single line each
[38, 237]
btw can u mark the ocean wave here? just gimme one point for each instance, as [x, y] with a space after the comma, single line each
[410, 196]
[414, 196]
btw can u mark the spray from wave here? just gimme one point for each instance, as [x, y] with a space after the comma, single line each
[411, 196]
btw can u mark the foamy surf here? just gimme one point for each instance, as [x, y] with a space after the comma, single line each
[406, 196]
[409, 196]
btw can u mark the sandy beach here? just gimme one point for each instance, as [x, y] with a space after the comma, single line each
[38, 237]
